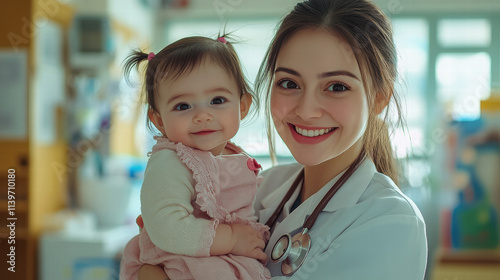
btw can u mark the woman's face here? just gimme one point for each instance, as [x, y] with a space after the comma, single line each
[318, 101]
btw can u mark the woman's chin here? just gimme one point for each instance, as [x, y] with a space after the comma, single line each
[309, 159]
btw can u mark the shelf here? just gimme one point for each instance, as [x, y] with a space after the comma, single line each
[482, 256]
[469, 264]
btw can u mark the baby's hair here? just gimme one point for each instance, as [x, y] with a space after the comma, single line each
[180, 58]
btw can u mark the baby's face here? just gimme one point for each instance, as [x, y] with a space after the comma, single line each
[201, 109]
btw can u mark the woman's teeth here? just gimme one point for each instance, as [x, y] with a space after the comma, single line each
[312, 133]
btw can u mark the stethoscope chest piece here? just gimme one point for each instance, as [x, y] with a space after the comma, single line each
[291, 251]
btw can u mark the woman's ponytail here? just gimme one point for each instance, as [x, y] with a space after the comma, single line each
[378, 147]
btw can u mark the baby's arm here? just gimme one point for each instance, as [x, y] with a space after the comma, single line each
[166, 196]
[152, 272]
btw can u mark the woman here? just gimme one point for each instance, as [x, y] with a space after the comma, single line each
[328, 75]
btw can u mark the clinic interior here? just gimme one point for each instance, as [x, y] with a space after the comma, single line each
[74, 140]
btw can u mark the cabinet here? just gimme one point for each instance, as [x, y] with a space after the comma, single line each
[37, 188]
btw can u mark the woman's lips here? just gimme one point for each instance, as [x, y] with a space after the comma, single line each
[310, 135]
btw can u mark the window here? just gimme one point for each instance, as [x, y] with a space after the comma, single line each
[464, 32]
[463, 79]
[412, 43]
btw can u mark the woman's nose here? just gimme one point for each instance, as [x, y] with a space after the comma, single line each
[202, 116]
[308, 107]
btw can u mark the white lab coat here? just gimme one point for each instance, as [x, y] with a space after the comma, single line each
[368, 230]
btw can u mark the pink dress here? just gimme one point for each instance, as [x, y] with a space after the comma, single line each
[225, 198]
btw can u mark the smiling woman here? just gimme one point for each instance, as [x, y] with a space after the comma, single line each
[320, 91]
[327, 76]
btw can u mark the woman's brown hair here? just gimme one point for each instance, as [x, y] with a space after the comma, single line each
[368, 33]
[180, 58]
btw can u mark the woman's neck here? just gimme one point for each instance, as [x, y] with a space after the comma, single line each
[317, 176]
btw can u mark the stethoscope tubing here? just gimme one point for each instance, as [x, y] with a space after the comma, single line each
[292, 251]
[308, 224]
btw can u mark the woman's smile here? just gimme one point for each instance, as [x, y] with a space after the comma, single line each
[305, 135]
[312, 131]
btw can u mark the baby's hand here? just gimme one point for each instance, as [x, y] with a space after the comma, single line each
[248, 242]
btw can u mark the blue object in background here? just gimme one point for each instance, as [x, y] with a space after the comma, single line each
[474, 220]
[96, 269]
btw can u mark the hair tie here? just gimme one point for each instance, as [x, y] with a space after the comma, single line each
[222, 40]
[151, 55]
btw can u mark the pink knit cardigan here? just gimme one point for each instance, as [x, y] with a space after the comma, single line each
[225, 197]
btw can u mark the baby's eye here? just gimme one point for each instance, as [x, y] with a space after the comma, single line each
[287, 84]
[338, 87]
[182, 107]
[218, 100]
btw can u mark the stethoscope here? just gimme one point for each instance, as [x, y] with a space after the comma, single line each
[292, 251]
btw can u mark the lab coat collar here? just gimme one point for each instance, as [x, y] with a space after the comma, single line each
[350, 193]
[347, 195]
[273, 199]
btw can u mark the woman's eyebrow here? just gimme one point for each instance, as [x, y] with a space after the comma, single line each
[320, 76]
[337, 73]
[287, 70]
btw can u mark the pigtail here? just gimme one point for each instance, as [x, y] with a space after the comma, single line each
[132, 61]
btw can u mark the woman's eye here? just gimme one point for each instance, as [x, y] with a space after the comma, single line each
[337, 87]
[218, 100]
[287, 84]
[182, 107]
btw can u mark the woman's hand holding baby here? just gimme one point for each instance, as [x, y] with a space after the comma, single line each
[248, 242]
[240, 240]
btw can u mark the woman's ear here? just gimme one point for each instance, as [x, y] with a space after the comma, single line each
[245, 102]
[155, 118]
[381, 101]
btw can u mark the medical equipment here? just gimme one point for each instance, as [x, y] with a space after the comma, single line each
[293, 251]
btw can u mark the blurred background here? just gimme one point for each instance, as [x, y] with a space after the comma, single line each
[73, 140]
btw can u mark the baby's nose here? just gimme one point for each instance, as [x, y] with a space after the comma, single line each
[202, 116]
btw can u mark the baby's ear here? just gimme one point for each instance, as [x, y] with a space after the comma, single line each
[155, 118]
[245, 103]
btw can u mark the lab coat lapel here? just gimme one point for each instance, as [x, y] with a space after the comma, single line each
[353, 188]
[347, 195]
[271, 201]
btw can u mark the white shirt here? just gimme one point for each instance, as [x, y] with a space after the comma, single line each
[368, 230]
